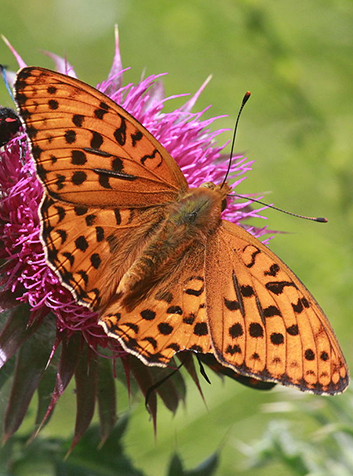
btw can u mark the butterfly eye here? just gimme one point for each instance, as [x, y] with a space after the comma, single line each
[224, 204]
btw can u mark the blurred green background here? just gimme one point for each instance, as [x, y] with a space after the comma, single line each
[295, 56]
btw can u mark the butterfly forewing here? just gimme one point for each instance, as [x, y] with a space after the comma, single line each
[90, 151]
[263, 321]
[102, 172]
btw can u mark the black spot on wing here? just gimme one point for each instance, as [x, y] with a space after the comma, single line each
[236, 330]
[300, 305]
[273, 270]
[256, 330]
[271, 311]
[247, 291]
[190, 319]
[174, 346]
[201, 329]
[59, 182]
[61, 212]
[293, 330]
[70, 136]
[99, 234]
[78, 157]
[231, 305]
[101, 111]
[165, 328]
[253, 257]
[120, 132]
[309, 354]
[62, 234]
[78, 177]
[151, 341]
[194, 292]
[233, 349]
[70, 257]
[148, 315]
[95, 260]
[155, 154]
[135, 138]
[90, 219]
[81, 243]
[96, 140]
[53, 104]
[80, 210]
[78, 120]
[174, 310]
[277, 338]
[117, 216]
[277, 287]
[51, 90]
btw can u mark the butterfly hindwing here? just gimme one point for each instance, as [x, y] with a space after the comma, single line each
[92, 248]
[171, 319]
[210, 360]
[263, 321]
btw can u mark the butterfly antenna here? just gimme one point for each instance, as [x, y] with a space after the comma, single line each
[244, 101]
[6, 81]
[317, 219]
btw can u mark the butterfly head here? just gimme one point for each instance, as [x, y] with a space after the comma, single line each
[222, 191]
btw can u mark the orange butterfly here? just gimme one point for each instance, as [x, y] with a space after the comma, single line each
[130, 239]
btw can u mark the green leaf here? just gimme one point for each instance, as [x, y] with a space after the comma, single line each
[207, 467]
[109, 460]
[175, 466]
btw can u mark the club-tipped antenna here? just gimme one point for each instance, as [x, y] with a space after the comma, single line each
[244, 101]
[243, 197]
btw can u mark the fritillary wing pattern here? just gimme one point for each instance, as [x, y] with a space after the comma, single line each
[130, 239]
[263, 322]
[171, 319]
[90, 151]
[102, 172]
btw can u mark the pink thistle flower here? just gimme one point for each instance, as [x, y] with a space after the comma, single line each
[32, 291]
